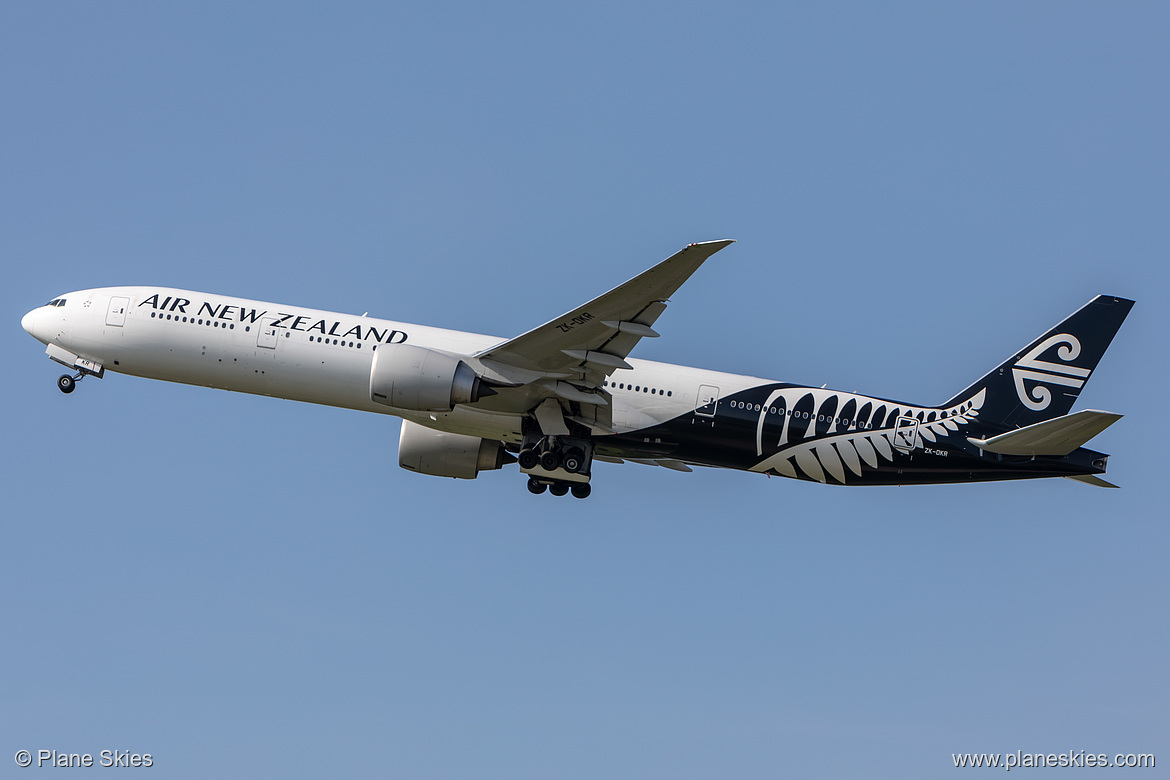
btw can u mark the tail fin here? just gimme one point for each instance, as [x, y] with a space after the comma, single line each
[1043, 380]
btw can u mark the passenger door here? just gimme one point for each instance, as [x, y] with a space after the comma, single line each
[269, 334]
[707, 400]
[116, 314]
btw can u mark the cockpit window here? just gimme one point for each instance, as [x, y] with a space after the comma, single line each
[56, 302]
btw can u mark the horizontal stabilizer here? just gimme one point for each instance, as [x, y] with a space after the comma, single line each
[1056, 437]
[1090, 479]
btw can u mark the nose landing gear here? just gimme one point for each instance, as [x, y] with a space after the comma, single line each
[84, 367]
[66, 383]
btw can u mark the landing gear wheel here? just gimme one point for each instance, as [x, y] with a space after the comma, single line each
[66, 383]
[528, 459]
[558, 488]
[573, 460]
[536, 487]
[549, 460]
[582, 490]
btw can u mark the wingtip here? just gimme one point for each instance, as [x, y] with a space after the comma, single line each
[712, 246]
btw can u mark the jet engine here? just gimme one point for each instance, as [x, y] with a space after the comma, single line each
[448, 454]
[424, 380]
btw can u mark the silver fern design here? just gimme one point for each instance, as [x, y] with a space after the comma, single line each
[827, 434]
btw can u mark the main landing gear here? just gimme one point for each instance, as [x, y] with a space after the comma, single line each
[550, 457]
[556, 464]
[558, 488]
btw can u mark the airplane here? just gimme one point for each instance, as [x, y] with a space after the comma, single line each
[567, 394]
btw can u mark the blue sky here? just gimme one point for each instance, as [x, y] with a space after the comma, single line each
[245, 586]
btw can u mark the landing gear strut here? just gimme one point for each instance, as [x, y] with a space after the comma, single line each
[84, 367]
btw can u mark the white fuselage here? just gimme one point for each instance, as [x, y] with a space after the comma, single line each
[314, 356]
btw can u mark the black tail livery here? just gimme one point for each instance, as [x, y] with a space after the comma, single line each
[1043, 380]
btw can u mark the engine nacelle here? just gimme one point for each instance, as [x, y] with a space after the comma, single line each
[443, 454]
[409, 377]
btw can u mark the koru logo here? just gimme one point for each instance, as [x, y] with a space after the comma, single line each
[1030, 368]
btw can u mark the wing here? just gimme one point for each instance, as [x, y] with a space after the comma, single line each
[585, 345]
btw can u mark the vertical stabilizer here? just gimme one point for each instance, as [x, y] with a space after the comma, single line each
[1043, 380]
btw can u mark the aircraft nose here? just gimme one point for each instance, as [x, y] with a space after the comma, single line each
[30, 323]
